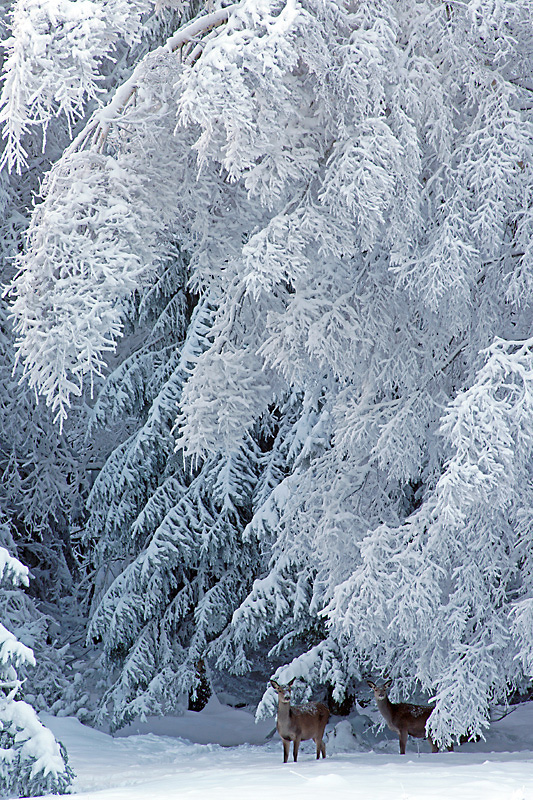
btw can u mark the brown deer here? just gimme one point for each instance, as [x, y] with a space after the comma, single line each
[299, 723]
[403, 718]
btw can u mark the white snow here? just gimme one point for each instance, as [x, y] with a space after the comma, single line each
[169, 758]
[11, 567]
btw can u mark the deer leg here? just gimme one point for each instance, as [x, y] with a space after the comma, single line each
[296, 747]
[286, 748]
[403, 741]
[434, 747]
[323, 748]
[318, 743]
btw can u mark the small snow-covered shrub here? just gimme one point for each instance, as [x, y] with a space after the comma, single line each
[342, 739]
[32, 762]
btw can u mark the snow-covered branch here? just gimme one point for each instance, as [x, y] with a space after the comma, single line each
[97, 129]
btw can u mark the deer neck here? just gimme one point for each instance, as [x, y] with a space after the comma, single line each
[283, 714]
[386, 708]
[283, 710]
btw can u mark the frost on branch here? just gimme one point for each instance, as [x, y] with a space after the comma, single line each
[86, 252]
[54, 60]
[229, 394]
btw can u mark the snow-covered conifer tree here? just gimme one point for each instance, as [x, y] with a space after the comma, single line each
[351, 185]
[60, 58]
[170, 565]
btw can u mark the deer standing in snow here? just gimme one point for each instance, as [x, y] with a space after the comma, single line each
[403, 718]
[299, 723]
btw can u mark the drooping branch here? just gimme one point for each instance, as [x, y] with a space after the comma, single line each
[97, 129]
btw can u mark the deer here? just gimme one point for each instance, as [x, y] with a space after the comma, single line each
[403, 718]
[299, 723]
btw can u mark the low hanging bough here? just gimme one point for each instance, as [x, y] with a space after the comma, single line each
[107, 237]
[188, 42]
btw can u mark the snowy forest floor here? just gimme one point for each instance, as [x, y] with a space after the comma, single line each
[221, 753]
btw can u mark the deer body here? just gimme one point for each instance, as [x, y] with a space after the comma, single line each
[406, 719]
[299, 723]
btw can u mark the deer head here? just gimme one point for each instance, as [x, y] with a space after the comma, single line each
[381, 692]
[284, 692]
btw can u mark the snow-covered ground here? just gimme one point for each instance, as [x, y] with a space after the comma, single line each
[222, 753]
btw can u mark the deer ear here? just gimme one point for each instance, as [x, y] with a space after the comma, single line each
[274, 684]
[291, 682]
[387, 684]
[372, 685]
